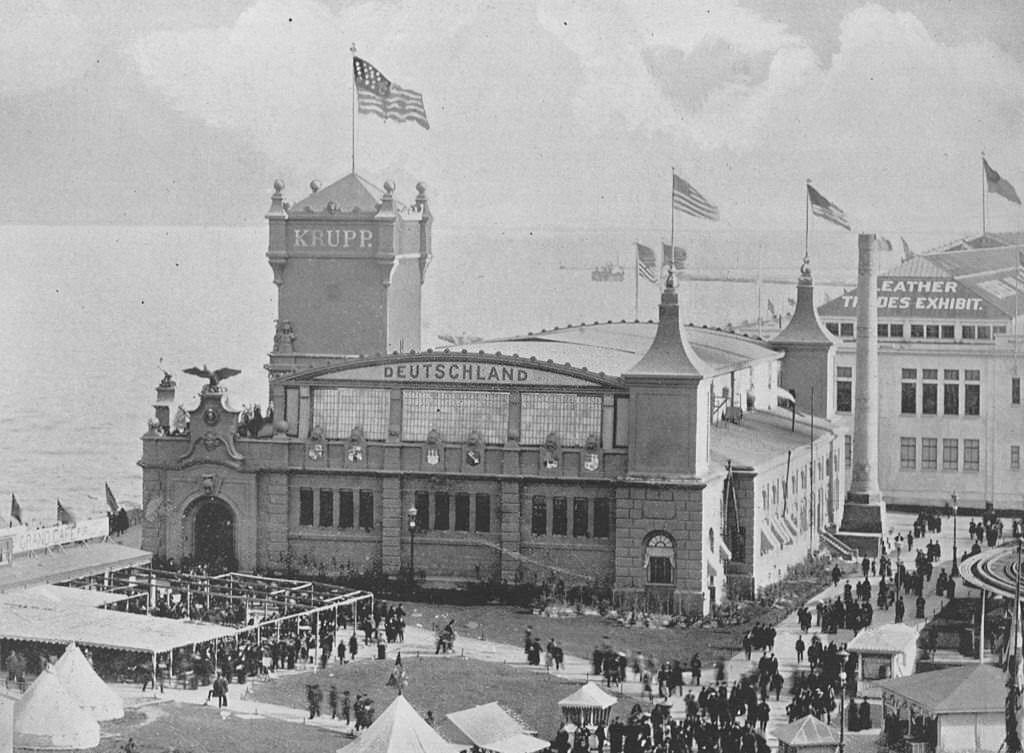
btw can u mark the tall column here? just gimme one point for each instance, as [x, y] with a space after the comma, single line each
[864, 479]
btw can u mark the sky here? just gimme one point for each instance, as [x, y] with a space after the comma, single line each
[554, 114]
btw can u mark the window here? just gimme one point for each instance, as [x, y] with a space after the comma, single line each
[422, 505]
[908, 398]
[968, 332]
[602, 518]
[908, 453]
[972, 454]
[539, 517]
[580, 517]
[930, 393]
[984, 332]
[895, 330]
[659, 555]
[1015, 390]
[846, 329]
[931, 331]
[454, 413]
[559, 516]
[326, 508]
[917, 330]
[346, 509]
[366, 509]
[442, 511]
[305, 507]
[951, 398]
[1015, 457]
[483, 513]
[883, 330]
[948, 331]
[844, 388]
[337, 410]
[621, 422]
[929, 453]
[950, 454]
[461, 512]
[832, 327]
[573, 417]
[972, 399]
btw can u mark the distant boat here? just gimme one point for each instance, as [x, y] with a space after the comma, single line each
[608, 273]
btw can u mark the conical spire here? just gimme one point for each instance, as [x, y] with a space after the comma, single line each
[804, 326]
[670, 354]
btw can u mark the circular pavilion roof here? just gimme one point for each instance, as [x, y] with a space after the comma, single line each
[994, 570]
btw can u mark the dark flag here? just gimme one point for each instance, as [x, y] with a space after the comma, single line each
[64, 515]
[111, 499]
[822, 207]
[674, 256]
[907, 253]
[16, 510]
[688, 199]
[646, 263]
[998, 184]
[379, 96]
[884, 244]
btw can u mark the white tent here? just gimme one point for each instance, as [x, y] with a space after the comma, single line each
[490, 727]
[400, 729]
[86, 687]
[885, 651]
[588, 705]
[47, 716]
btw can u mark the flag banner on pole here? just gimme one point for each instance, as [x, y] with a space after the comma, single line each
[646, 263]
[998, 184]
[688, 199]
[822, 207]
[884, 244]
[907, 253]
[64, 516]
[111, 499]
[674, 255]
[16, 510]
[379, 96]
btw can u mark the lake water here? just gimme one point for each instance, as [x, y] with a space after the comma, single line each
[89, 312]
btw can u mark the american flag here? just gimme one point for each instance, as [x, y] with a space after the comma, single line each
[379, 96]
[674, 255]
[646, 263]
[688, 199]
[822, 207]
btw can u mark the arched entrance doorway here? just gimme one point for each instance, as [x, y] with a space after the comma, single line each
[214, 535]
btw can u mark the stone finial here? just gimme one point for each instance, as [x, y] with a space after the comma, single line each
[278, 187]
[389, 187]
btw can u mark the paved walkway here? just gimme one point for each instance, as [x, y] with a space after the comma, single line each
[420, 641]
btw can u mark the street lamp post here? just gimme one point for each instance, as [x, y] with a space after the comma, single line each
[955, 570]
[843, 656]
[412, 544]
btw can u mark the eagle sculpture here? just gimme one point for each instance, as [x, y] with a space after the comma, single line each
[215, 377]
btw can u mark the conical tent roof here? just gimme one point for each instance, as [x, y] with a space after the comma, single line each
[47, 716]
[806, 730]
[589, 696]
[400, 729]
[86, 687]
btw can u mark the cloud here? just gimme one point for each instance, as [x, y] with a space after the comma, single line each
[43, 44]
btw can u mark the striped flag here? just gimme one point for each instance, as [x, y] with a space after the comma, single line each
[688, 199]
[64, 516]
[379, 96]
[111, 499]
[16, 510]
[674, 256]
[998, 184]
[646, 263]
[822, 207]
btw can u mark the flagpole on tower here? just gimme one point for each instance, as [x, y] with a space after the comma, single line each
[807, 222]
[672, 236]
[636, 283]
[984, 190]
[352, 49]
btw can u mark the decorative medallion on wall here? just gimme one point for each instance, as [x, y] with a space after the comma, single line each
[433, 452]
[474, 449]
[356, 445]
[551, 453]
[591, 456]
[316, 447]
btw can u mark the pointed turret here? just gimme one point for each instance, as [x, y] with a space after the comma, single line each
[668, 399]
[809, 365]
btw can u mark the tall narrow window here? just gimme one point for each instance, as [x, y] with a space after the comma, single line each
[659, 559]
[1015, 457]
[422, 504]
[930, 392]
[972, 392]
[908, 392]
[972, 454]
[844, 389]
[1015, 390]
[305, 507]
[326, 508]
[951, 396]
[929, 453]
[442, 512]
[950, 454]
[366, 509]
[580, 517]
[908, 453]
[559, 516]
[461, 512]
[539, 517]
[602, 518]
[483, 513]
[346, 509]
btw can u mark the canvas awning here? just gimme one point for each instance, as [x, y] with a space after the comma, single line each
[47, 596]
[970, 689]
[69, 562]
[491, 728]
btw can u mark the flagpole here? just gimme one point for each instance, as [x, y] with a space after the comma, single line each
[760, 248]
[984, 190]
[672, 236]
[352, 49]
[636, 281]
[807, 222]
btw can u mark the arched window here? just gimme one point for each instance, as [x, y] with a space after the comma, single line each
[659, 559]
